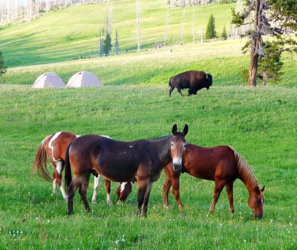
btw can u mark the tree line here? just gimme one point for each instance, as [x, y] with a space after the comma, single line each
[11, 10]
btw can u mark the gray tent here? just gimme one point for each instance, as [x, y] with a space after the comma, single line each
[83, 79]
[48, 80]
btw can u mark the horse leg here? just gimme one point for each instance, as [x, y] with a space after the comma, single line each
[175, 191]
[146, 199]
[142, 187]
[75, 183]
[54, 183]
[166, 188]
[58, 175]
[219, 185]
[83, 191]
[229, 188]
[107, 186]
[97, 181]
[170, 90]
[54, 177]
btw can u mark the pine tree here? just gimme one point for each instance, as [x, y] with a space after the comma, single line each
[107, 45]
[211, 28]
[224, 34]
[269, 67]
[3, 69]
[276, 18]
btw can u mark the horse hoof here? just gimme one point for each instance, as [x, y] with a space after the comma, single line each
[182, 215]
[109, 203]
[120, 203]
[94, 202]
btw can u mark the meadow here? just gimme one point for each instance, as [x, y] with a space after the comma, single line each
[259, 123]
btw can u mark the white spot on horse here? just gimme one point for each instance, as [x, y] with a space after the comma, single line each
[131, 146]
[41, 143]
[106, 136]
[78, 136]
[56, 135]
[59, 167]
[123, 184]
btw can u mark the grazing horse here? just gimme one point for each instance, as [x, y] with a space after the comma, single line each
[142, 160]
[220, 164]
[54, 147]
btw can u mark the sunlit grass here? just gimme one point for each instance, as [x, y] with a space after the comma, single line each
[258, 123]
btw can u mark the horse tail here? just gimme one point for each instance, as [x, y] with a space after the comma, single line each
[40, 163]
[170, 82]
[68, 177]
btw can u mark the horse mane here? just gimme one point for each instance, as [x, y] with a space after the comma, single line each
[245, 172]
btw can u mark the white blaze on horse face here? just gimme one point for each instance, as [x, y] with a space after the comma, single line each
[177, 161]
[177, 154]
[56, 135]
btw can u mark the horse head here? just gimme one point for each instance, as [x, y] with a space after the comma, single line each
[256, 201]
[177, 147]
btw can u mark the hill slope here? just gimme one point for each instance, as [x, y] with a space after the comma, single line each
[74, 32]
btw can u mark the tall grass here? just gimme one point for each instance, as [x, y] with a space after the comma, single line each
[259, 123]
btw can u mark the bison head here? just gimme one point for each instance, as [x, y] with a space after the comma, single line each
[208, 78]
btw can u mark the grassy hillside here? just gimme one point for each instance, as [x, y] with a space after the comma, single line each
[259, 123]
[224, 60]
[73, 32]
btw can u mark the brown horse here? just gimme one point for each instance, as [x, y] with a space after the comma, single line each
[220, 164]
[142, 160]
[54, 147]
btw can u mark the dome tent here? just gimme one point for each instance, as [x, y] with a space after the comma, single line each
[83, 79]
[48, 80]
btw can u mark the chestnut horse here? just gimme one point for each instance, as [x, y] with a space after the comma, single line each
[54, 147]
[142, 160]
[220, 164]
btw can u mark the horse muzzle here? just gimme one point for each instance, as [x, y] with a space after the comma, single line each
[177, 165]
[258, 216]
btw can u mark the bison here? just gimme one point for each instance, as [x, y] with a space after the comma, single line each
[192, 80]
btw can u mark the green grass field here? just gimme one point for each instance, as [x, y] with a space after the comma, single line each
[259, 123]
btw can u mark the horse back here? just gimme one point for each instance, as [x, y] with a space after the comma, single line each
[114, 160]
[210, 163]
[57, 143]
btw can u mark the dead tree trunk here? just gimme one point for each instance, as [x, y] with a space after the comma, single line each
[255, 45]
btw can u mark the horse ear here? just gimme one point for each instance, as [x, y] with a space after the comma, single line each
[206, 76]
[186, 129]
[263, 188]
[174, 129]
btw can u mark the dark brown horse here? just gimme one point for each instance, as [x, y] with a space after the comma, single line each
[54, 147]
[142, 160]
[220, 164]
